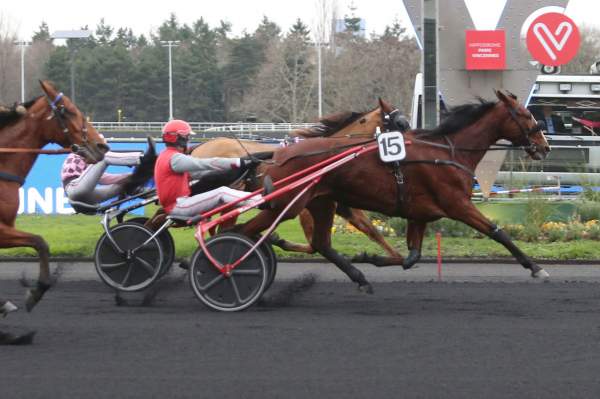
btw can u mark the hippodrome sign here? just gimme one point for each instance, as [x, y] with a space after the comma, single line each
[485, 49]
[553, 39]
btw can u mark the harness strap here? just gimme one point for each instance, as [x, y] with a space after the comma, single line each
[13, 178]
[446, 162]
[59, 96]
[399, 177]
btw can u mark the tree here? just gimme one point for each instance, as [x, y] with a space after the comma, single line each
[9, 63]
[360, 71]
[104, 32]
[42, 34]
[589, 51]
[284, 88]
[352, 22]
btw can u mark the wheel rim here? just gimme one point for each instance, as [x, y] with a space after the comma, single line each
[168, 246]
[246, 283]
[271, 259]
[137, 267]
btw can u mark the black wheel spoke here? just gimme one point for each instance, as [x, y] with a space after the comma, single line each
[246, 272]
[125, 280]
[110, 266]
[145, 265]
[211, 283]
[238, 299]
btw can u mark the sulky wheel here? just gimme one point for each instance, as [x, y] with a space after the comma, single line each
[130, 258]
[242, 288]
[166, 242]
[269, 254]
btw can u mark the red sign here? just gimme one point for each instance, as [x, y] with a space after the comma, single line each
[485, 49]
[553, 39]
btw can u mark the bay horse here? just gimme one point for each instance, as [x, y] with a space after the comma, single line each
[339, 125]
[437, 179]
[24, 130]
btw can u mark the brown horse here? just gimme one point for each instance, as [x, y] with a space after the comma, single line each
[437, 183]
[51, 118]
[340, 125]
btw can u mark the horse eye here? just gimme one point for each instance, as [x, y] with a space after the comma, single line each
[363, 120]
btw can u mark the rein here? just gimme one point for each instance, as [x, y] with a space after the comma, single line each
[327, 151]
[495, 147]
[34, 151]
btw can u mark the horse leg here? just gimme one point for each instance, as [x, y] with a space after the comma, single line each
[307, 226]
[11, 238]
[359, 219]
[414, 240]
[323, 211]
[470, 215]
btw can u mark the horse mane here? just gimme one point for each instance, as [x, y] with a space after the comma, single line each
[9, 115]
[459, 117]
[329, 124]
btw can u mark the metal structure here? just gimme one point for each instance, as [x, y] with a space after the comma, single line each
[429, 65]
[22, 44]
[170, 44]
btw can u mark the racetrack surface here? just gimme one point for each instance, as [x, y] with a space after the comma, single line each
[500, 336]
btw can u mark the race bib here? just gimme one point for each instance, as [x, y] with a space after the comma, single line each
[391, 146]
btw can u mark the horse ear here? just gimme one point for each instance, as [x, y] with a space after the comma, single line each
[47, 88]
[502, 96]
[385, 106]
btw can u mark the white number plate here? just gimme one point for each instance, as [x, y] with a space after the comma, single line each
[391, 146]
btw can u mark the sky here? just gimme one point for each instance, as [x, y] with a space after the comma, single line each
[144, 16]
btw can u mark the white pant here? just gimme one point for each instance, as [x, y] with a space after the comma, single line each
[85, 189]
[192, 206]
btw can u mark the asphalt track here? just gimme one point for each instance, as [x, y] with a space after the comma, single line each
[484, 331]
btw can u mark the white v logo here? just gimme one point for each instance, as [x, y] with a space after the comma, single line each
[541, 31]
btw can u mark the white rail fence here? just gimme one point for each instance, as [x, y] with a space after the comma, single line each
[201, 127]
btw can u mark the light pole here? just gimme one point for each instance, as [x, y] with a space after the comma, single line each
[170, 44]
[72, 34]
[319, 79]
[23, 44]
[318, 46]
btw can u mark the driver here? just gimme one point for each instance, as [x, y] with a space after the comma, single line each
[174, 169]
[90, 184]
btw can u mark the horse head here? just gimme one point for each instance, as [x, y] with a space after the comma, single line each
[68, 127]
[521, 128]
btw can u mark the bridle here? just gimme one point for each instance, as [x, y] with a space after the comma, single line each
[395, 121]
[538, 127]
[59, 112]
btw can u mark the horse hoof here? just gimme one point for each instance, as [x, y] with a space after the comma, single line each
[7, 308]
[541, 274]
[11, 339]
[366, 288]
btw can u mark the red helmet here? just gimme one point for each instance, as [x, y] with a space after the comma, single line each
[175, 129]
